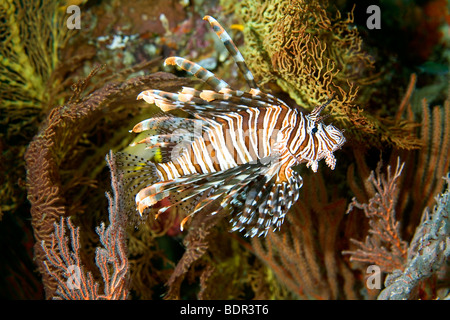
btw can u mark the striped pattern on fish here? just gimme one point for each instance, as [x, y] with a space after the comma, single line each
[236, 155]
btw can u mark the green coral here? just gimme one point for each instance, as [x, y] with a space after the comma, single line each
[297, 45]
[32, 34]
[311, 54]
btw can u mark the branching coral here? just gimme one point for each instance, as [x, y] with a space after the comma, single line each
[197, 243]
[305, 48]
[383, 245]
[31, 33]
[310, 56]
[410, 264]
[421, 178]
[428, 252]
[111, 259]
[396, 203]
[304, 257]
[431, 162]
[54, 150]
[218, 265]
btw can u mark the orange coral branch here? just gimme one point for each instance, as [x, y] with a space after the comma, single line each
[406, 97]
[425, 167]
[304, 256]
[63, 261]
[383, 245]
[111, 259]
[197, 243]
[61, 131]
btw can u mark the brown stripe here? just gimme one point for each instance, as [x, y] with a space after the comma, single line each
[162, 171]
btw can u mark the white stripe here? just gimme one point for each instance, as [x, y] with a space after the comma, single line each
[206, 155]
[167, 171]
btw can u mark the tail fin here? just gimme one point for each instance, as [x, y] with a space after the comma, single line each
[137, 173]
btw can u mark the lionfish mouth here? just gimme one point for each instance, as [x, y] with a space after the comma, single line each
[340, 143]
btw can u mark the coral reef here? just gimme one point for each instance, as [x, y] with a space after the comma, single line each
[301, 51]
[32, 34]
[383, 244]
[404, 197]
[428, 252]
[49, 188]
[32, 79]
[80, 285]
[305, 256]
[311, 55]
[408, 265]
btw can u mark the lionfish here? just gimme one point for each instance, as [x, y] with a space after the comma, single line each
[235, 156]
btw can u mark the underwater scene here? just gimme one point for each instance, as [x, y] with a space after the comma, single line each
[225, 150]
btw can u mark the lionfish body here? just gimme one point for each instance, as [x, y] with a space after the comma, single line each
[237, 154]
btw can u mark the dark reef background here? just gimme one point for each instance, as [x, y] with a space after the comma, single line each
[68, 96]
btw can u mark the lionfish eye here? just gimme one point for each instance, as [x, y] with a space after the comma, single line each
[314, 130]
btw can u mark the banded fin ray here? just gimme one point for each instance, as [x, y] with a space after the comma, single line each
[221, 188]
[166, 124]
[193, 105]
[198, 71]
[196, 101]
[233, 50]
[169, 134]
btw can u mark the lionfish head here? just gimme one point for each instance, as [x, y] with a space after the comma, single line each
[322, 140]
[326, 139]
